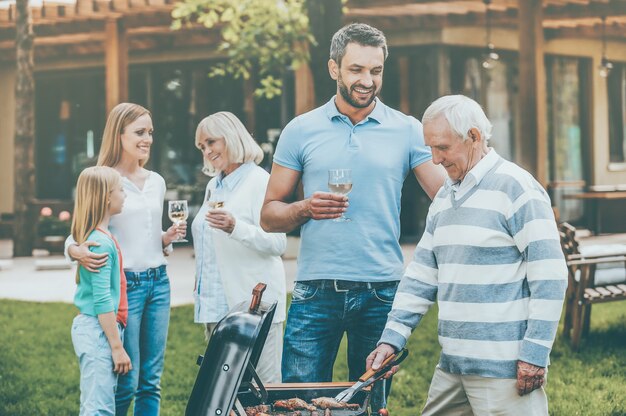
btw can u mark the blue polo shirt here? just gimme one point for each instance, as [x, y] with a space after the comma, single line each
[381, 150]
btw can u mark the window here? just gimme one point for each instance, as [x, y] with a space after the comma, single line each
[69, 119]
[494, 89]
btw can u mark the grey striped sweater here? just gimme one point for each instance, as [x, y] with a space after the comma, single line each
[493, 262]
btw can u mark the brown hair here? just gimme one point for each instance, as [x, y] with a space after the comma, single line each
[121, 116]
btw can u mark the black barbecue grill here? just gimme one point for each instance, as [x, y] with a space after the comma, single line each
[227, 381]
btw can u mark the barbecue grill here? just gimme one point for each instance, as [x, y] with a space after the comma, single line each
[227, 381]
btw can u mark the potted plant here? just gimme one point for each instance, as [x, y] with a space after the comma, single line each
[53, 230]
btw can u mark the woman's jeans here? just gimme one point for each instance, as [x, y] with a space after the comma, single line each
[321, 312]
[97, 379]
[144, 341]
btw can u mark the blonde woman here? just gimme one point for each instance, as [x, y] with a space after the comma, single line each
[100, 297]
[233, 253]
[125, 147]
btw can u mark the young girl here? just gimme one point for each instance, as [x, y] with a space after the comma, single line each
[101, 296]
[126, 144]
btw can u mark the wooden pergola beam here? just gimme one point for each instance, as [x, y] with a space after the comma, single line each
[576, 11]
[613, 31]
[565, 10]
[116, 62]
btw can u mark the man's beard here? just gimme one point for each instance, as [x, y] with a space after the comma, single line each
[343, 90]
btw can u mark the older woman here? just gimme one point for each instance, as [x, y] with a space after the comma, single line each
[233, 253]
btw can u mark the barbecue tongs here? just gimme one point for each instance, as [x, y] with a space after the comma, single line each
[371, 376]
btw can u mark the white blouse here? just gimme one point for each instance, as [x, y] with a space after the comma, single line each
[243, 258]
[138, 227]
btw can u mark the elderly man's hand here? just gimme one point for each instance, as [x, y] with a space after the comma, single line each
[529, 377]
[376, 358]
[326, 205]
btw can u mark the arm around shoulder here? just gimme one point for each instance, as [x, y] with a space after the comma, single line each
[90, 260]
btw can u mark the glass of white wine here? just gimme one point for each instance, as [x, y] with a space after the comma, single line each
[178, 212]
[340, 182]
[215, 198]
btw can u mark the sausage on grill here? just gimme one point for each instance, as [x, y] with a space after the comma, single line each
[330, 403]
[293, 404]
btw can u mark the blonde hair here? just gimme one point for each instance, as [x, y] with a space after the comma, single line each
[93, 190]
[240, 145]
[121, 116]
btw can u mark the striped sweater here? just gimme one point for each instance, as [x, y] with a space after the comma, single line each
[493, 262]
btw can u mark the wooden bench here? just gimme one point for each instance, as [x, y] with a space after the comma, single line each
[594, 277]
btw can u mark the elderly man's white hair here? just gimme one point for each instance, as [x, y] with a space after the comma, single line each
[462, 114]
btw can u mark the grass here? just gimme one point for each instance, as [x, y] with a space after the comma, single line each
[39, 371]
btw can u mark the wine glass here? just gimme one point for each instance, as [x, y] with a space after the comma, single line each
[178, 212]
[215, 198]
[340, 182]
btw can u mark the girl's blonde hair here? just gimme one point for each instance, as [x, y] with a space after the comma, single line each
[240, 145]
[93, 191]
[121, 116]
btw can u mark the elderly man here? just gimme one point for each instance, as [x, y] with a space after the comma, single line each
[491, 257]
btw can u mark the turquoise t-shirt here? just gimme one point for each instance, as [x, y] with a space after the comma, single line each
[381, 150]
[99, 293]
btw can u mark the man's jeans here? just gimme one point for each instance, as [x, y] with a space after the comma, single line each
[318, 317]
[97, 379]
[144, 341]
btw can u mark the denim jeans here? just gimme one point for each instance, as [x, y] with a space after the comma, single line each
[97, 379]
[144, 341]
[317, 319]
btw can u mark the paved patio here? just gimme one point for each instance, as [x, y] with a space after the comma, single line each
[20, 279]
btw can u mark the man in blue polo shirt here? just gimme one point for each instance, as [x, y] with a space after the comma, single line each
[347, 271]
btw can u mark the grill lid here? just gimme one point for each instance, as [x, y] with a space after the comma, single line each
[231, 356]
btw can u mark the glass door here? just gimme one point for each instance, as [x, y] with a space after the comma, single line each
[567, 133]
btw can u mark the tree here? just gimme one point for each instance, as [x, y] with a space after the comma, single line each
[326, 19]
[263, 38]
[25, 216]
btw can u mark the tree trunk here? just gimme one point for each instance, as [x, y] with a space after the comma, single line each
[325, 17]
[25, 217]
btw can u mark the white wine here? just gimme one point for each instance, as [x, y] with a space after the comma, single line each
[216, 204]
[178, 216]
[340, 188]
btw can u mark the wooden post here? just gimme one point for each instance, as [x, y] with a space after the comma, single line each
[532, 130]
[325, 18]
[443, 70]
[403, 78]
[249, 105]
[116, 62]
[304, 89]
[25, 217]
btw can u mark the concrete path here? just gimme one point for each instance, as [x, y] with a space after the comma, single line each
[19, 278]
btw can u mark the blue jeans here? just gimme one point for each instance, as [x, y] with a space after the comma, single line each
[144, 341]
[319, 316]
[97, 379]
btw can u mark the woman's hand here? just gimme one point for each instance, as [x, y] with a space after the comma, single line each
[175, 232]
[221, 219]
[86, 258]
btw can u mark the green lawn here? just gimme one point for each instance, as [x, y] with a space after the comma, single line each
[39, 372]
